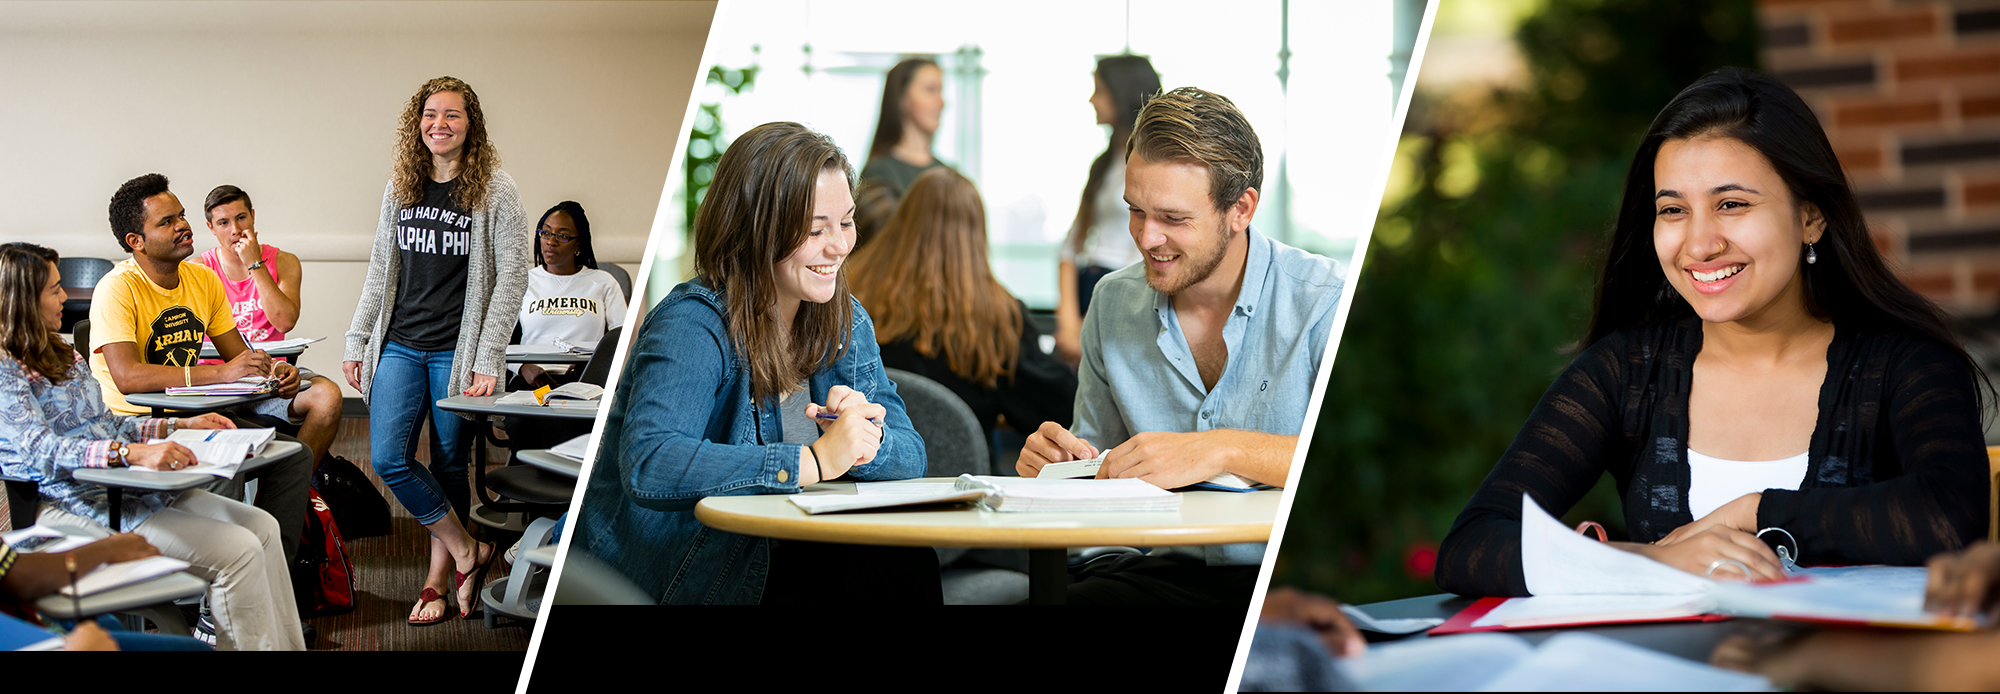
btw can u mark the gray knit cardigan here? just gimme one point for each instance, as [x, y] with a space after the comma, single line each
[496, 277]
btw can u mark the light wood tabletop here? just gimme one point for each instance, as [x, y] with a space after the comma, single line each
[1205, 518]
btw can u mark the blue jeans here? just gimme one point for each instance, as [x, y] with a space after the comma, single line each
[407, 386]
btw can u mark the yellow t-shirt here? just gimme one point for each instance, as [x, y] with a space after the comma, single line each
[167, 324]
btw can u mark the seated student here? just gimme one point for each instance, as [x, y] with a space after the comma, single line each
[25, 577]
[940, 314]
[1201, 359]
[148, 317]
[1752, 364]
[568, 299]
[1799, 658]
[262, 286]
[54, 422]
[757, 377]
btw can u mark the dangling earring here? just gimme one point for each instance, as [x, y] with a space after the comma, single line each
[1812, 256]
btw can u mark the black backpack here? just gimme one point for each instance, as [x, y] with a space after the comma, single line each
[357, 507]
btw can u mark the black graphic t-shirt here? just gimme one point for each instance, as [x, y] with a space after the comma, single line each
[176, 339]
[434, 239]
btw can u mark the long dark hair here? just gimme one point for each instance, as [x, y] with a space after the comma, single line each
[1849, 283]
[758, 211]
[586, 257]
[889, 121]
[24, 332]
[1132, 81]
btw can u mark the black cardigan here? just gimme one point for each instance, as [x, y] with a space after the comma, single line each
[1043, 388]
[1896, 472]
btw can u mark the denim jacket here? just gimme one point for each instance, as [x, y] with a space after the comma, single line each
[683, 426]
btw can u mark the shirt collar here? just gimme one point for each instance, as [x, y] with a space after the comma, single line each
[1255, 266]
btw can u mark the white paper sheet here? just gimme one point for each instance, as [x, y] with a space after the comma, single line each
[1585, 662]
[124, 573]
[1558, 561]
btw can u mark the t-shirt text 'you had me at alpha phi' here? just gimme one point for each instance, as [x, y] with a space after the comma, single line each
[434, 242]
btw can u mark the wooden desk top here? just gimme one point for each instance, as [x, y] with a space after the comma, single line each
[1205, 518]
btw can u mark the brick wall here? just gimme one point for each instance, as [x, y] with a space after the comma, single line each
[1909, 93]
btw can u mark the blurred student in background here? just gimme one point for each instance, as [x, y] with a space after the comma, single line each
[940, 314]
[906, 126]
[1098, 240]
[726, 386]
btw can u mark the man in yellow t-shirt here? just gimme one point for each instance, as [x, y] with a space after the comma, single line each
[147, 320]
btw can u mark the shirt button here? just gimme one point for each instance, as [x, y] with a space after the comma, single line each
[1204, 415]
[782, 476]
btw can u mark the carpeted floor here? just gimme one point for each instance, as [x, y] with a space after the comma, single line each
[389, 572]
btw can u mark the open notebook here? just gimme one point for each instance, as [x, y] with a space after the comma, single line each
[1003, 494]
[220, 452]
[1578, 581]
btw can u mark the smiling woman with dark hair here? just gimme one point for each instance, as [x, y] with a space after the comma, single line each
[760, 376]
[1752, 363]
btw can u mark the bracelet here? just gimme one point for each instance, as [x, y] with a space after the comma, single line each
[259, 265]
[187, 375]
[816, 465]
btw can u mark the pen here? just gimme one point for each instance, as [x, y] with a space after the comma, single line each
[831, 417]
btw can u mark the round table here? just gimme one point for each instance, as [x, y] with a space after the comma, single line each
[1205, 518]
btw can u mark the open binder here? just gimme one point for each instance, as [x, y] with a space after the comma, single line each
[1576, 581]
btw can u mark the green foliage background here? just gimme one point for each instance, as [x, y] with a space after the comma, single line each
[1479, 279]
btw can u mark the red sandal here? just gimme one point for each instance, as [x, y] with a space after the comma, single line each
[478, 574]
[431, 595]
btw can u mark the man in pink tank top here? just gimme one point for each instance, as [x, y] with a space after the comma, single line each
[262, 286]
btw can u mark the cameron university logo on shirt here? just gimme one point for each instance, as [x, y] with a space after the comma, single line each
[426, 229]
[562, 306]
[176, 338]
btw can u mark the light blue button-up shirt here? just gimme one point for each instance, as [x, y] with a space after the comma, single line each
[1138, 373]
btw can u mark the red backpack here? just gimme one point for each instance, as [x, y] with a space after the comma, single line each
[322, 576]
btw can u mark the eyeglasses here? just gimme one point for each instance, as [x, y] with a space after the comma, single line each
[556, 236]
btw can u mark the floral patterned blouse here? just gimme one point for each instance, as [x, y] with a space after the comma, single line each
[48, 429]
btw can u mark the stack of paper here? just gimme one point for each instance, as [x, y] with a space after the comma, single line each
[248, 385]
[1029, 494]
[560, 346]
[124, 573]
[573, 449]
[868, 495]
[220, 451]
[1576, 580]
[1574, 661]
[41, 539]
[579, 347]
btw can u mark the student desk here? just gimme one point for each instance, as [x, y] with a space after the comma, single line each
[161, 403]
[549, 358]
[1205, 518]
[546, 460]
[115, 479]
[483, 406]
[1691, 640]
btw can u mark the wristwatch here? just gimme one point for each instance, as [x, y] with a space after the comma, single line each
[118, 453]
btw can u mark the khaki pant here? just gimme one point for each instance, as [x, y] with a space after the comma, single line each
[234, 546]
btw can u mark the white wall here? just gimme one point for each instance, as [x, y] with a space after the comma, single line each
[297, 103]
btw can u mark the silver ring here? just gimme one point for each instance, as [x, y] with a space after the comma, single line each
[1719, 563]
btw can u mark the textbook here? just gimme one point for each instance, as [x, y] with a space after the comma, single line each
[124, 573]
[577, 395]
[1000, 494]
[220, 452]
[1578, 581]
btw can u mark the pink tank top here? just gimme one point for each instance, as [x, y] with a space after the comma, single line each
[242, 295]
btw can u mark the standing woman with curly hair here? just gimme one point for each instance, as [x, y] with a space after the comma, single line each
[445, 280]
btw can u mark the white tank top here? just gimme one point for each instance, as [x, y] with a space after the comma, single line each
[1713, 482]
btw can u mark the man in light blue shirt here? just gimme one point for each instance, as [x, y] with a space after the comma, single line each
[1198, 362]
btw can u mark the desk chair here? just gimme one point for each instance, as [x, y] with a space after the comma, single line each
[153, 600]
[80, 335]
[955, 444]
[80, 273]
[618, 273]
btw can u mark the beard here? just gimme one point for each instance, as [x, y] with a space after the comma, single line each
[1200, 263]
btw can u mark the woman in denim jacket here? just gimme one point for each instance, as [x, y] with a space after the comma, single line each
[761, 376]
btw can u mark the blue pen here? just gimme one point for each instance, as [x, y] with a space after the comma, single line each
[831, 417]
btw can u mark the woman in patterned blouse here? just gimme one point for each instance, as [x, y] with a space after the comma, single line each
[53, 421]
